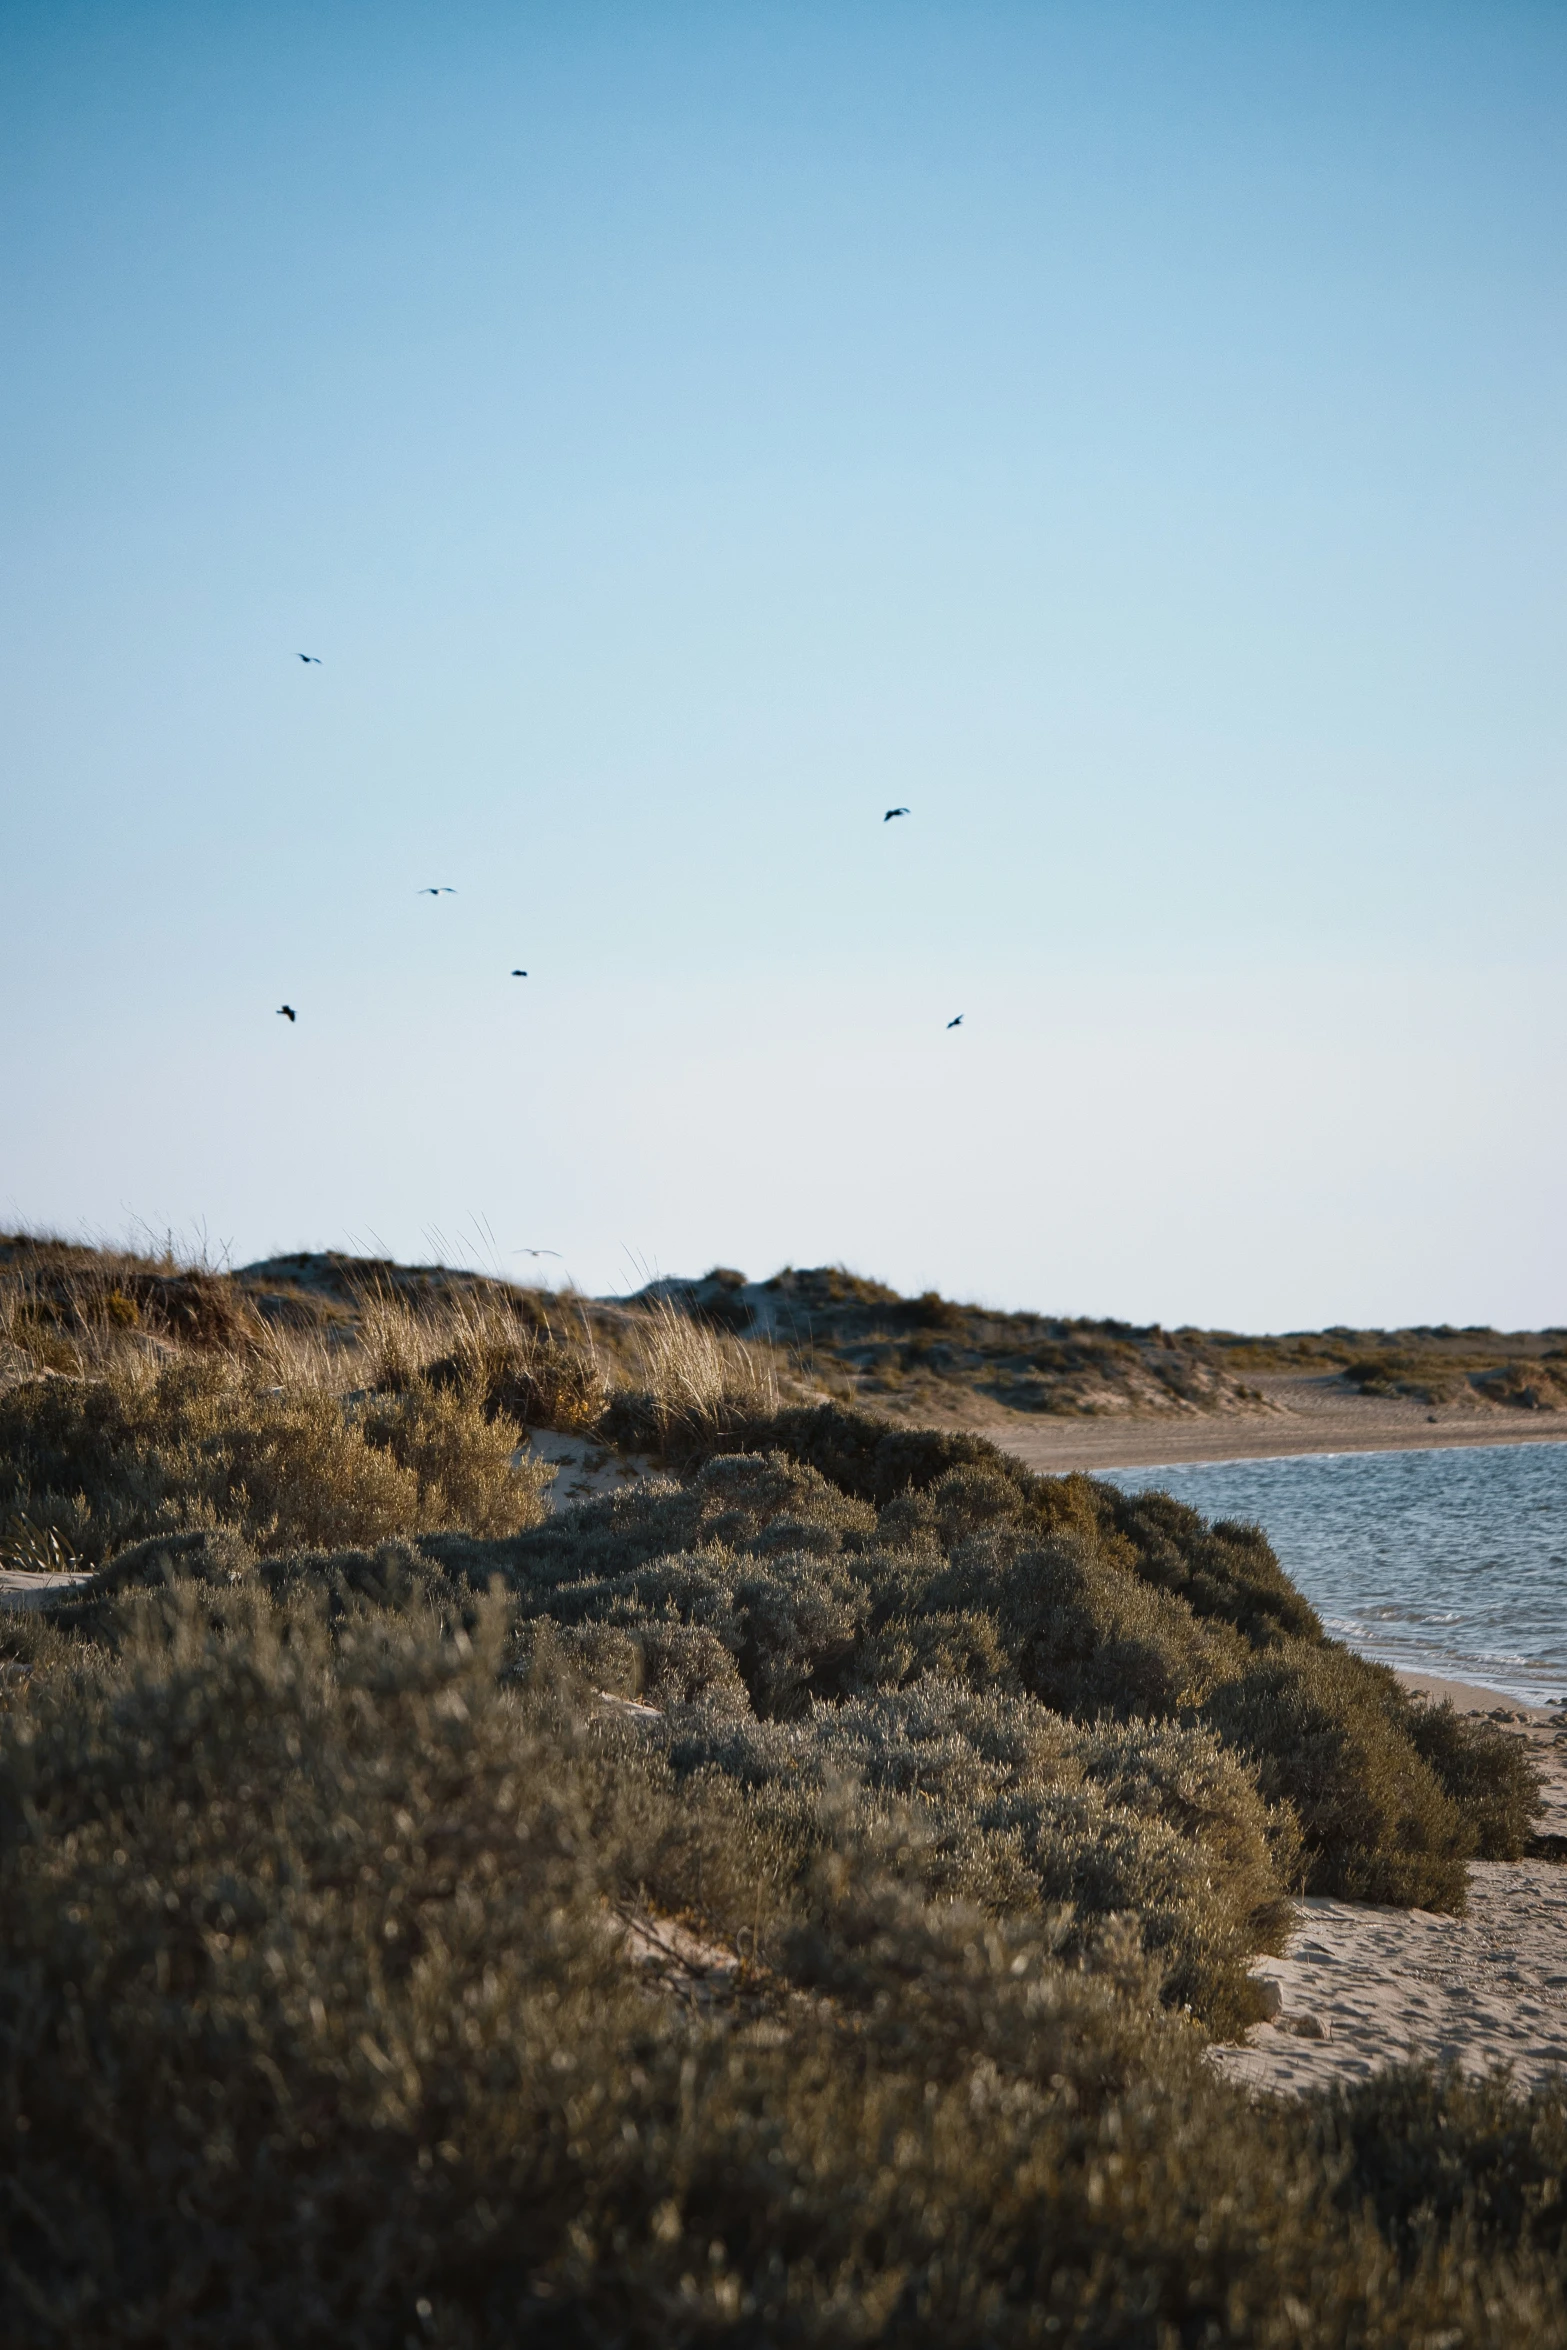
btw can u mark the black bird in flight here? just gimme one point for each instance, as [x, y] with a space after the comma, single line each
[287, 1012]
[315, 657]
[891, 812]
[519, 975]
[442, 892]
[957, 1023]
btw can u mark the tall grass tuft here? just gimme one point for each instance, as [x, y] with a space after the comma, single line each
[688, 1381]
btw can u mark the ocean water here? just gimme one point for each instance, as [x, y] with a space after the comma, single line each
[1451, 1562]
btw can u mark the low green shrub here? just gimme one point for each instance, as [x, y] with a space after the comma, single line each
[528, 1375]
[859, 1454]
[1491, 1777]
[1433, 2153]
[1017, 1811]
[1526, 1386]
[1225, 1571]
[1375, 1820]
[1083, 1634]
[319, 2024]
[1054, 1588]
[970, 1570]
[354, 1819]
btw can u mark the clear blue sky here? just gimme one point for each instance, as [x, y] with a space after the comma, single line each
[1132, 435]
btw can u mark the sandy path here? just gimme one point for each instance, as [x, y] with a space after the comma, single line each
[1301, 1415]
[1359, 1988]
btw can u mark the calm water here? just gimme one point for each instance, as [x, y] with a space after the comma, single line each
[1441, 1562]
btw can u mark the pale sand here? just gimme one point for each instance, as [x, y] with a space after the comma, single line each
[1359, 1988]
[584, 1469]
[20, 1589]
[1296, 1416]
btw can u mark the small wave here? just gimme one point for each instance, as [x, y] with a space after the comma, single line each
[1446, 1562]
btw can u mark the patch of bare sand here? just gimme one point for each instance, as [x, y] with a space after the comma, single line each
[1295, 1416]
[21, 1588]
[584, 1469]
[1359, 1988]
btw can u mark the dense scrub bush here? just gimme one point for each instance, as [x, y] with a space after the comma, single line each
[1488, 1775]
[1376, 1823]
[1020, 1811]
[851, 1561]
[1082, 1633]
[318, 2026]
[1225, 1570]
[1055, 1588]
[1527, 1386]
[861, 1455]
[1428, 2151]
[76, 1293]
[1399, 1374]
[324, 1816]
[108, 1462]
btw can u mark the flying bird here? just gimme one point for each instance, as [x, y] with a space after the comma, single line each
[535, 1252]
[891, 812]
[519, 975]
[957, 1023]
[315, 657]
[442, 892]
[287, 1012]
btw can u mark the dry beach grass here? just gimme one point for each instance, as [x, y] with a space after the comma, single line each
[1063, 1391]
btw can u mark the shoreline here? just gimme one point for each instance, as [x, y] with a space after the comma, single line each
[1301, 1417]
[1444, 1674]
[1478, 1697]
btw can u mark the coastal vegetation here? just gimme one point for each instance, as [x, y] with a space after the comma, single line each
[786, 1899]
[821, 1331]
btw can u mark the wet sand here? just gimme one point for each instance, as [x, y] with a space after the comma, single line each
[1296, 1416]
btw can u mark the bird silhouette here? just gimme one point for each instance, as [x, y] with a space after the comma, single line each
[519, 975]
[287, 1012]
[891, 812]
[315, 657]
[957, 1023]
[535, 1252]
[442, 892]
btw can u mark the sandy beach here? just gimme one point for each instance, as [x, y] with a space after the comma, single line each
[1359, 1988]
[1297, 1416]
